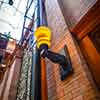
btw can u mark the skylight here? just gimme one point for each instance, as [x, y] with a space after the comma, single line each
[12, 17]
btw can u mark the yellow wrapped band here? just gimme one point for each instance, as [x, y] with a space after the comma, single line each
[43, 36]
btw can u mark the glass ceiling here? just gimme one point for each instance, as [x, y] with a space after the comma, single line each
[12, 17]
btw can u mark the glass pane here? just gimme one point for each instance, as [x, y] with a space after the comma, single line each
[12, 17]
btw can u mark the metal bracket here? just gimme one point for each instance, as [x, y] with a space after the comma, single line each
[62, 58]
[65, 71]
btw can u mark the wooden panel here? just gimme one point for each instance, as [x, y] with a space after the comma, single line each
[92, 57]
[95, 38]
[88, 22]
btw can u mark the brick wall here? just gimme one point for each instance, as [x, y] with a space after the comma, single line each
[80, 85]
[74, 11]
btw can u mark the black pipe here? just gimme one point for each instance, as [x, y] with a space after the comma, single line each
[36, 79]
[33, 74]
[36, 65]
[41, 15]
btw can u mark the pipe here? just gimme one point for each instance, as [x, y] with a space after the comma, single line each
[35, 83]
[43, 19]
[44, 92]
[40, 85]
[36, 66]
[39, 82]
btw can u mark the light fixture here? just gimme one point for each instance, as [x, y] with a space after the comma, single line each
[43, 36]
[10, 2]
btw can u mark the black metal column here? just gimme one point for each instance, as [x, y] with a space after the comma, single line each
[36, 66]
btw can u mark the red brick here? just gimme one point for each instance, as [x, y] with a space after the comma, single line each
[77, 86]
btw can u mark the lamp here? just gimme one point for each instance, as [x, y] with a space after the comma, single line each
[43, 36]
